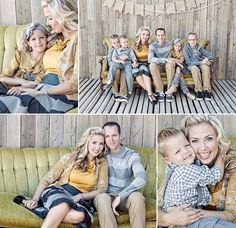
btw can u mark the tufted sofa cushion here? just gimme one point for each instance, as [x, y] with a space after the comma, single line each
[22, 169]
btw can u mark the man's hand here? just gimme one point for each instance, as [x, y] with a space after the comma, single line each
[115, 204]
[171, 61]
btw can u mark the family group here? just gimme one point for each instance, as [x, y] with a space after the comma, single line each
[145, 61]
[43, 75]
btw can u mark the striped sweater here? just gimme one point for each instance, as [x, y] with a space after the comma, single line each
[126, 172]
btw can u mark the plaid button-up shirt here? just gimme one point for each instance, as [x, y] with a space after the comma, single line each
[182, 185]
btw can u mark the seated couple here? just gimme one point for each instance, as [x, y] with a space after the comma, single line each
[152, 59]
[67, 192]
[199, 187]
[42, 77]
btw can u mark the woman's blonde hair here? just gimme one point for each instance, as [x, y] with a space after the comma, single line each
[66, 13]
[213, 121]
[138, 37]
[82, 148]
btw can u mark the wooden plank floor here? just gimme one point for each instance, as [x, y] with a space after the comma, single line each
[93, 101]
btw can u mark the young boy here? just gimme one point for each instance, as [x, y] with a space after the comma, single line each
[115, 43]
[199, 61]
[124, 56]
[186, 181]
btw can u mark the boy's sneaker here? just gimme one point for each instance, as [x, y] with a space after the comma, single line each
[207, 95]
[123, 99]
[169, 97]
[199, 96]
[115, 96]
[161, 97]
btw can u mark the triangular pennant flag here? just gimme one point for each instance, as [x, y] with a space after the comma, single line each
[139, 9]
[170, 8]
[149, 10]
[191, 4]
[199, 2]
[160, 9]
[119, 6]
[180, 6]
[108, 3]
[129, 8]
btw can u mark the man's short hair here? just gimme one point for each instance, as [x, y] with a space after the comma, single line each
[192, 34]
[114, 36]
[164, 135]
[112, 124]
[160, 29]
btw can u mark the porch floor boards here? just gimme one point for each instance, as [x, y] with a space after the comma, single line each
[91, 100]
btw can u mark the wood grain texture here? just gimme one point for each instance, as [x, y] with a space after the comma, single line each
[66, 130]
[216, 23]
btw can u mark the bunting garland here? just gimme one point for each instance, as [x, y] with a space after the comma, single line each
[174, 7]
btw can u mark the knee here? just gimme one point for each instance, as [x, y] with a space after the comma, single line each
[194, 69]
[76, 217]
[153, 66]
[136, 199]
[102, 199]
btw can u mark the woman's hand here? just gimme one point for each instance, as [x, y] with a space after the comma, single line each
[29, 84]
[32, 92]
[14, 91]
[184, 215]
[77, 198]
[31, 203]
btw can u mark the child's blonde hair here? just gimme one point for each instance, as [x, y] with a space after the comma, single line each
[165, 135]
[28, 31]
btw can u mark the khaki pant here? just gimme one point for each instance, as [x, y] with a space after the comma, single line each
[156, 70]
[135, 204]
[119, 85]
[201, 77]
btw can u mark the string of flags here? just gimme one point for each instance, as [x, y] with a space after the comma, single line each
[174, 7]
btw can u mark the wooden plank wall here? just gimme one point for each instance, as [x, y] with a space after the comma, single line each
[65, 130]
[228, 122]
[13, 12]
[217, 23]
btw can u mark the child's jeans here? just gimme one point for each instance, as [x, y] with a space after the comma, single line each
[112, 70]
[129, 76]
[178, 80]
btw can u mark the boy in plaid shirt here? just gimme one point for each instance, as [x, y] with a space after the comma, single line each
[186, 181]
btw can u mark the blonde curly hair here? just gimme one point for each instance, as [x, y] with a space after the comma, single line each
[82, 148]
[138, 37]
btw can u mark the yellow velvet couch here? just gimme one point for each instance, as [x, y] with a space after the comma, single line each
[22, 169]
[10, 41]
[104, 68]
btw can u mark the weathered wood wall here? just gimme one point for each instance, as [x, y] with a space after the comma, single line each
[65, 130]
[216, 23]
[13, 12]
[228, 122]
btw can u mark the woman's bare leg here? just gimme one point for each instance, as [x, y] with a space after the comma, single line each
[140, 81]
[56, 215]
[74, 217]
[147, 84]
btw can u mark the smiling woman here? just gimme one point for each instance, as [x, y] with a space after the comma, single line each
[58, 91]
[63, 197]
[208, 140]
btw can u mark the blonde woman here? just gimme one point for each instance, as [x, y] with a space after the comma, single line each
[141, 73]
[64, 193]
[59, 90]
[207, 138]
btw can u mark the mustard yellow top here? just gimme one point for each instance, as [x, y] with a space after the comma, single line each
[84, 181]
[52, 55]
[22, 64]
[142, 55]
